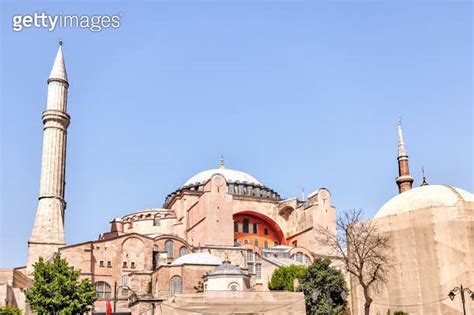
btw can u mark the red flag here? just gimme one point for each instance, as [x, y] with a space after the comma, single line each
[109, 308]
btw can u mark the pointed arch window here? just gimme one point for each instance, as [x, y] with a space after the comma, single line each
[169, 246]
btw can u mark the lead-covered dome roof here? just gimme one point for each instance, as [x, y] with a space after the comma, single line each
[229, 174]
[424, 197]
[226, 269]
[239, 183]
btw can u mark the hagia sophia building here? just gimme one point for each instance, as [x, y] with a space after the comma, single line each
[214, 244]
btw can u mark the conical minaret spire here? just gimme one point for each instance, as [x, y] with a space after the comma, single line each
[404, 179]
[48, 230]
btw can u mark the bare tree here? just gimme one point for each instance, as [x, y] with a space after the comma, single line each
[363, 250]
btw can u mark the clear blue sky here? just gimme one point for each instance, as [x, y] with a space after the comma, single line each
[294, 93]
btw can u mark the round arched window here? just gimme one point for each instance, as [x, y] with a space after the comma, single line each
[102, 290]
[176, 285]
[234, 286]
[183, 251]
[169, 248]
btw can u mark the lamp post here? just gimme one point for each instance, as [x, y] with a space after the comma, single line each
[461, 290]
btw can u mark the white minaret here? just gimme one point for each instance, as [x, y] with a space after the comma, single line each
[48, 230]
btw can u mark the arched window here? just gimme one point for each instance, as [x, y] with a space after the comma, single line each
[255, 228]
[306, 260]
[102, 290]
[275, 243]
[245, 225]
[299, 257]
[256, 243]
[176, 285]
[266, 244]
[246, 242]
[183, 251]
[234, 286]
[156, 221]
[169, 248]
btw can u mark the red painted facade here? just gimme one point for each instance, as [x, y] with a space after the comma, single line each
[267, 231]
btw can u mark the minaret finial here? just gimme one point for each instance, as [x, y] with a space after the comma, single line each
[222, 161]
[58, 72]
[424, 182]
[303, 197]
[402, 151]
[404, 179]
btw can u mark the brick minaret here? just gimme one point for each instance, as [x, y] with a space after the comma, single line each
[48, 230]
[404, 179]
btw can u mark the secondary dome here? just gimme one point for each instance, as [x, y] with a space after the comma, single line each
[197, 259]
[226, 269]
[424, 197]
[229, 174]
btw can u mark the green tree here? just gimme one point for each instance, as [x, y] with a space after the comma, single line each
[324, 288]
[283, 278]
[9, 310]
[57, 289]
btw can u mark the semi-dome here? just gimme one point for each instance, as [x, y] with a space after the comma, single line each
[197, 259]
[424, 197]
[229, 174]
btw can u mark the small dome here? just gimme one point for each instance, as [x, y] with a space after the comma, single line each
[424, 197]
[197, 259]
[226, 269]
[229, 174]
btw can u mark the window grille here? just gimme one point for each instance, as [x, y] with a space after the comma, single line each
[125, 280]
[102, 290]
[299, 257]
[169, 248]
[250, 256]
[251, 268]
[176, 285]
[258, 271]
[183, 251]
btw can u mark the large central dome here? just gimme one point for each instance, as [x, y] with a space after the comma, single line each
[239, 183]
[229, 174]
